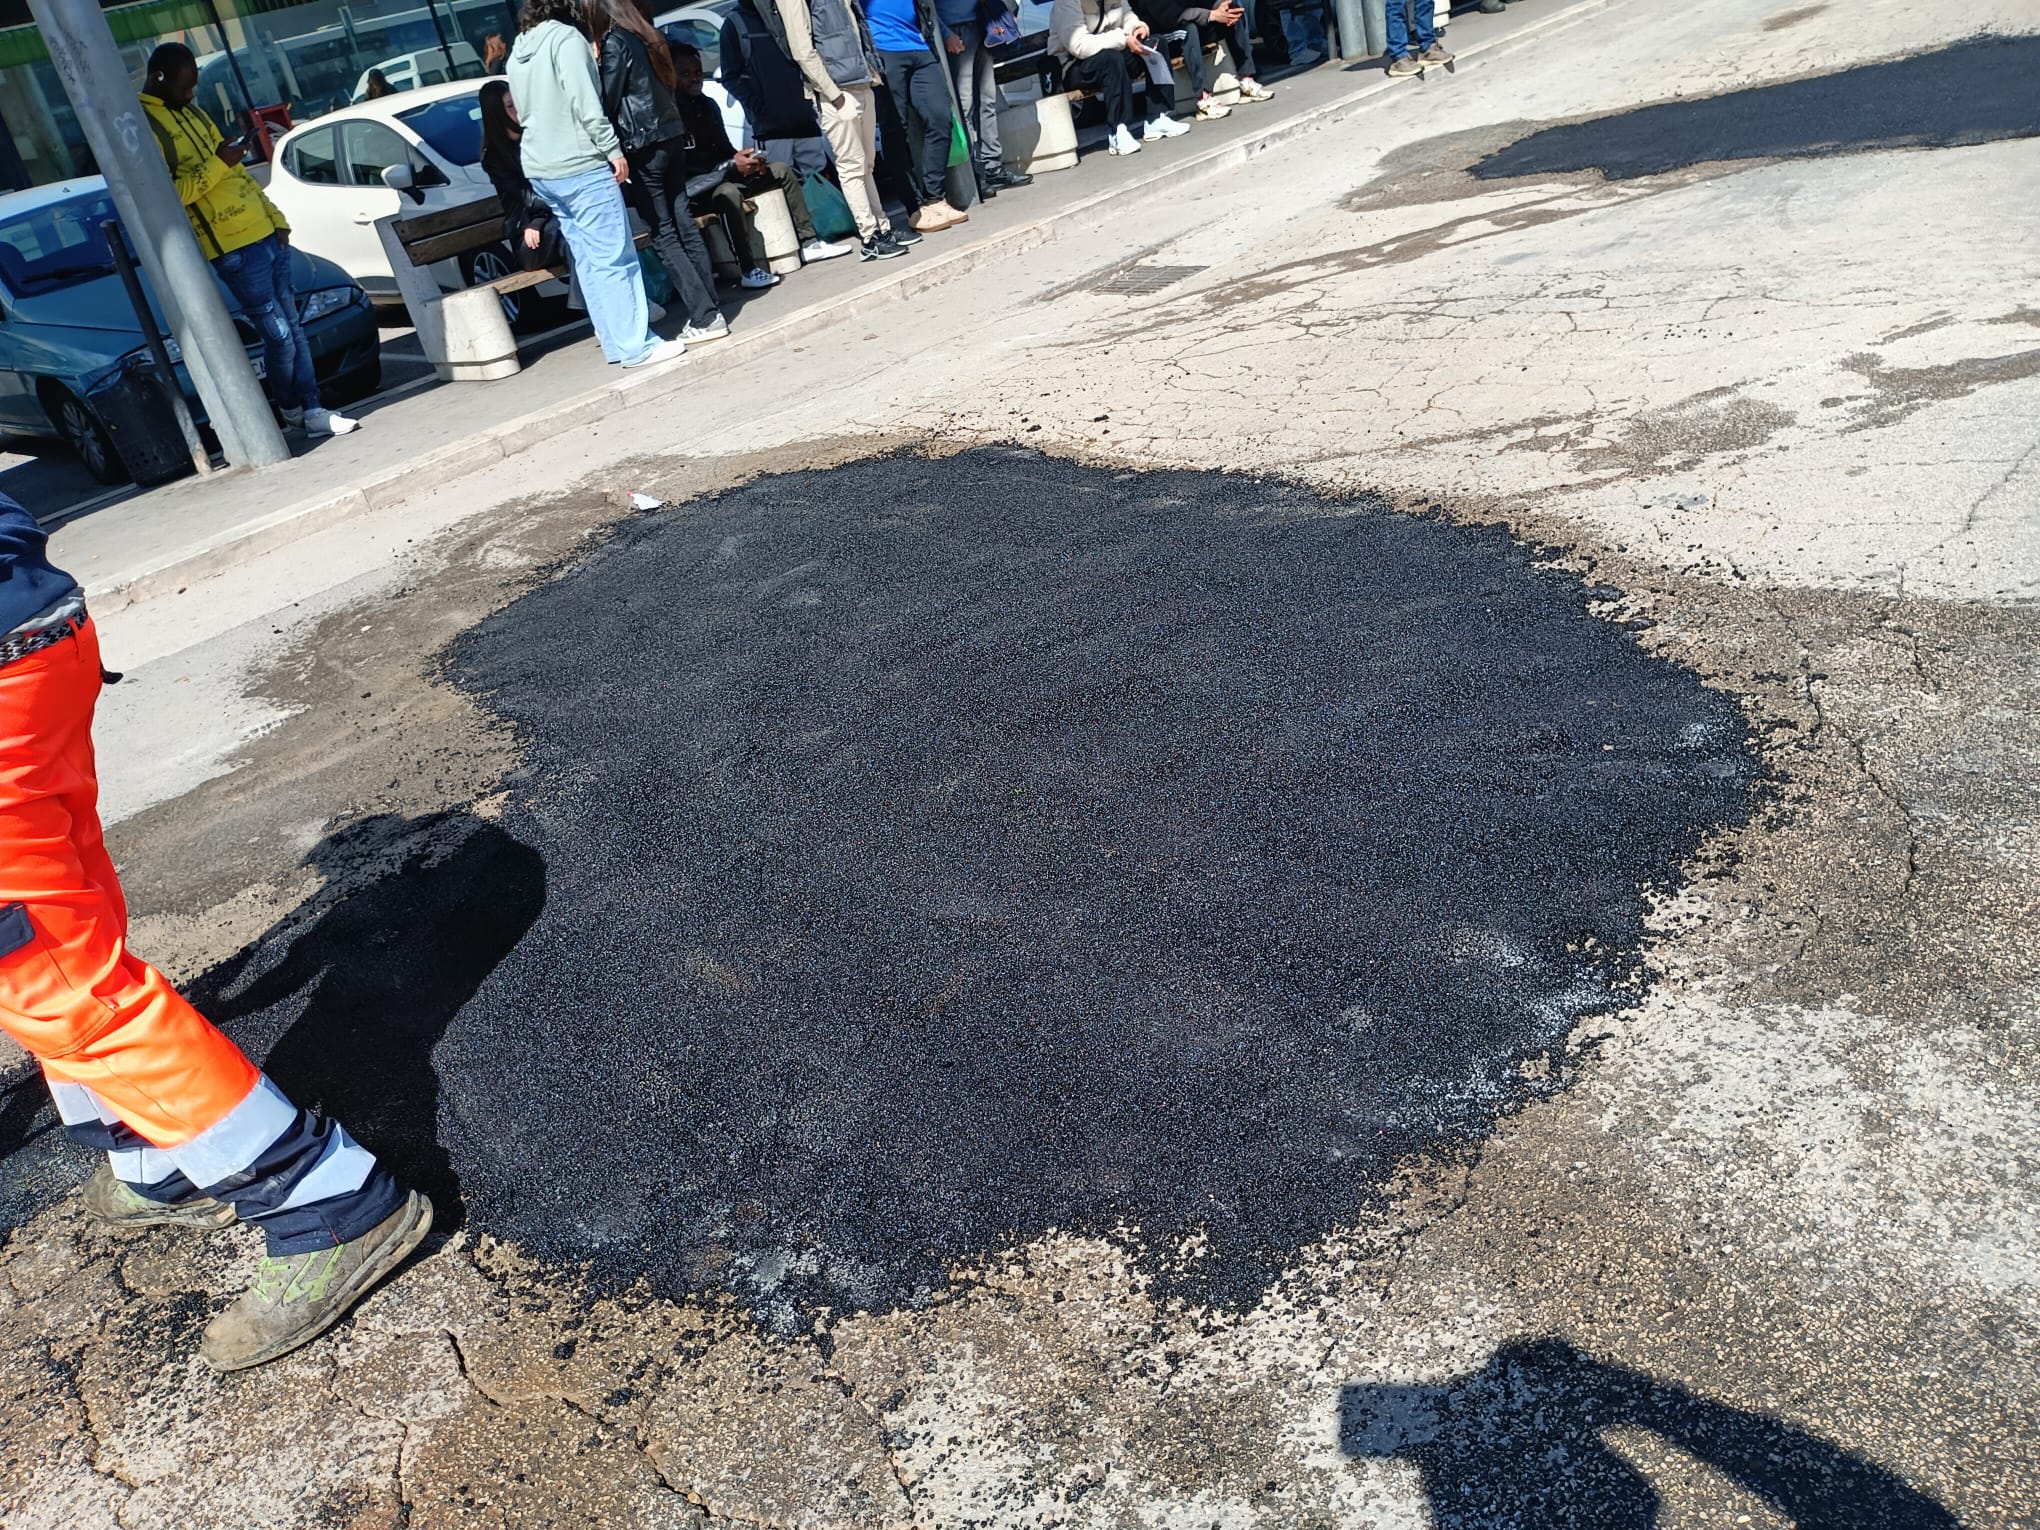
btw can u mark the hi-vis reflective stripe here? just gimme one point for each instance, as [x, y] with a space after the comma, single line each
[343, 1169]
[234, 1142]
[134, 1161]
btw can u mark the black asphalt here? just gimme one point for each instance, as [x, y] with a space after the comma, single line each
[938, 853]
[1977, 91]
[916, 856]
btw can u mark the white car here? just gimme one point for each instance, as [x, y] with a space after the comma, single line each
[327, 177]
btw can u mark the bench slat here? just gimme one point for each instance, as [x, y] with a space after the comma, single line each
[424, 226]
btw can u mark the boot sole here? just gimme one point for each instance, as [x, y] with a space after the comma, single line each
[211, 1221]
[364, 1280]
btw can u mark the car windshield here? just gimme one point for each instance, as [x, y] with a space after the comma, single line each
[59, 244]
[452, 128]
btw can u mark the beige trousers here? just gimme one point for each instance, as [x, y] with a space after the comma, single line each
[855, 145]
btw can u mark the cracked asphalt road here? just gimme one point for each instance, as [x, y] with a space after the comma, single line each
[1781, 1206]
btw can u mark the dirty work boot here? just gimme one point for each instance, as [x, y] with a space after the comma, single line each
[1435, 54]
[1404, 66]
[112, 1203]
[298, 1297]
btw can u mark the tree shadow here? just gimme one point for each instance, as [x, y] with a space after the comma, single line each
[358, 986]
[1978, 91]
[1518, 1446]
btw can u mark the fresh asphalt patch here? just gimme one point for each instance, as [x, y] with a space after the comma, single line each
[915, 856]
[1978, 91]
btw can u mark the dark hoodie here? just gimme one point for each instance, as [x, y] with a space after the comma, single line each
[29, 585]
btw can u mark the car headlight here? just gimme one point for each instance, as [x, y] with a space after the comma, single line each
[327, 300]
[142, 358]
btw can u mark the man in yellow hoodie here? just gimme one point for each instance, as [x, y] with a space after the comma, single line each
[242, 234]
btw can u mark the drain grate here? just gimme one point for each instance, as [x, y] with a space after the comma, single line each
[1139, 280]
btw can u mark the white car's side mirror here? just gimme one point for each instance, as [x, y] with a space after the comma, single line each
[400, 178]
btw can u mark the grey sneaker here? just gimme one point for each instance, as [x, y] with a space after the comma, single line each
[717, 328]
[114, 1204]
[1435, 54]
[298, 1297]
[1403, 67]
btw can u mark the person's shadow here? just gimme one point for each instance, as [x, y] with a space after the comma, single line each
[365, 978]
[1517, 1446]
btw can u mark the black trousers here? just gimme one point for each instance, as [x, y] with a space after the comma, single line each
[658, 192]
[1197, 33]
[727, 203]
[919, 86]
[1111, 76]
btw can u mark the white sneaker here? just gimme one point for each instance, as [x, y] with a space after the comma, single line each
[328, 422]
[822, 249]
[665, 350]
[1164, 126]
[1122, 141]
[757, 278]
[698, 334]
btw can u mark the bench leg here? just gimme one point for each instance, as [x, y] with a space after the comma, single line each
[774, 225]
[1038, 136]
[479, 345]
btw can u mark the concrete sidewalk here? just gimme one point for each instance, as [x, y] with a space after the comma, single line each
[421, 438]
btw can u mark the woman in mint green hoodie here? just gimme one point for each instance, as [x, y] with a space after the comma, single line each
[573, 160]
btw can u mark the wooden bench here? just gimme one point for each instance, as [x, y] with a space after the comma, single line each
[465, 332]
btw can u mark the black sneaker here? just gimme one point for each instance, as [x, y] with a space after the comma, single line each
[879, 247]
[903, 234]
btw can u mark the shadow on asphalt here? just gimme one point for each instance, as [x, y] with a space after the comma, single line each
[357, 987]
[1519, 1446]
[1974, 92]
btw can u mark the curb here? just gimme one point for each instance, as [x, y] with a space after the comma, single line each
[252, 539]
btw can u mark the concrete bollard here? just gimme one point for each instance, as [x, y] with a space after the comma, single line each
[463, 334]
[773, 224]
[479, 345]
[1039, 135]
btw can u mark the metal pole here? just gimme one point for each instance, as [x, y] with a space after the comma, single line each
[1352, 29]
[83, 53]
[166, 369]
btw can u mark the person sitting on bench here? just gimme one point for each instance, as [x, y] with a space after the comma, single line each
[1101, 45]
[1226, 22]
[720, 176]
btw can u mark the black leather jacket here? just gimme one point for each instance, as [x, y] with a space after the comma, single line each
[634, 96]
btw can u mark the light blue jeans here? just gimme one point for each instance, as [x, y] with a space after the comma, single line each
[597, 229]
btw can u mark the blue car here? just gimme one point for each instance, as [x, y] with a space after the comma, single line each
[74, 365]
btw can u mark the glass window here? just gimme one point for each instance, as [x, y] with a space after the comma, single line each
[57, 245]
[705, 38]
[311, 159]
[452, 127]
[369, 148]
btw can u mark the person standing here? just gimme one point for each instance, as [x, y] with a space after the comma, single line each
[637, 94]
[732, 173]
[1100, 44]
[757, 70]
[977, 93]
[576, 163]
[828, 43]
[241, 233]
[195, 1134]
[1418, 17]
[903, 32]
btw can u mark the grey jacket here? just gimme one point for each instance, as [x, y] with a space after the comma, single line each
[828, 42]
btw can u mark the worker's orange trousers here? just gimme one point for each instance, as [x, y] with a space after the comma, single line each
[70, 990]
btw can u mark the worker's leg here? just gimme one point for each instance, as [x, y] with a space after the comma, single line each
[107, 1024]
